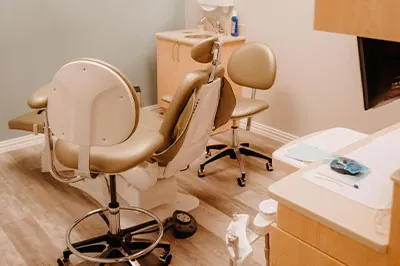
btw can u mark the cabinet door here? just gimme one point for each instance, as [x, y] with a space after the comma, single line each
[185, 62]
[167, 69]
[365, 18]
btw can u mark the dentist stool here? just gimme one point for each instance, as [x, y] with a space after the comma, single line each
[94, 108]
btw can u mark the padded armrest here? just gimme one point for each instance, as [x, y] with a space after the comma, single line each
[38, 100]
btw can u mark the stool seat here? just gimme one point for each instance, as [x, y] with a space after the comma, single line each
[246, 107]
[330, 140]
[113, 159]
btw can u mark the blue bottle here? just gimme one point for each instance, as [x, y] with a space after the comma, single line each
[235, 24]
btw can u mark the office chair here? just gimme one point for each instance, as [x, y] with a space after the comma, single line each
[93, 112]
[252, 65]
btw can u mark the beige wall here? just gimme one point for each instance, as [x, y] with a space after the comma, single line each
[318, 84]
[37, 37]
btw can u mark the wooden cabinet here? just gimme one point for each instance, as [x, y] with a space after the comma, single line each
[287, 250]
[376, 19]
[174, 62]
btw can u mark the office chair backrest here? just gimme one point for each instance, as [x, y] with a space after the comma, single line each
[194, 112]
[253, 65]
[90, 104]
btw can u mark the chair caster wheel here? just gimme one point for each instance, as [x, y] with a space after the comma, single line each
[242, 180]
[269, 167]
[208, 154]
[165, 259]
[63, 262]
[200, 173]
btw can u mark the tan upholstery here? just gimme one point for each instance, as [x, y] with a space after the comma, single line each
[137, 149]
[203, 51]
[253, 65]
[38, 100]
[246, 107]
[114, 159]
[28, 122]
[178, 114]
[227, 103]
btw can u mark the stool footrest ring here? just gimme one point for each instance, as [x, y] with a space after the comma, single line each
[121, 236]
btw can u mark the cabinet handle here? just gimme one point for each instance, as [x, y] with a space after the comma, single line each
[173, 52]
[177, 52]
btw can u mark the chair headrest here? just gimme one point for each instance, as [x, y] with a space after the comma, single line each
[202, 52]
[253, 65]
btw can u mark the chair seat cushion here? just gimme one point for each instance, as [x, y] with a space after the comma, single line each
[246, 107]
[121, 157]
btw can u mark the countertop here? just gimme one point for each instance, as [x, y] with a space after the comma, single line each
[352, 219]
[180, 36]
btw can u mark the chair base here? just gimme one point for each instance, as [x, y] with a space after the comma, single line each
[110, 246]
[118, 244]
[234, 152]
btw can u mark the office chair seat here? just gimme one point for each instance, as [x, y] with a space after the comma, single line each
[246, 107]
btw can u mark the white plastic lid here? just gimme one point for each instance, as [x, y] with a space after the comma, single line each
[268, 208]
[234, 13]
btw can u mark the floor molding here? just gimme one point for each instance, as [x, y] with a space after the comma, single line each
[258, 128]
[20, 142]
[269, 132]
[154, 108]
[277, 135]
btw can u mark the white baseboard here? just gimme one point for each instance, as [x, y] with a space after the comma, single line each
[20, 143]
[258, 128]
[277, 135]
[154, 108]
[269, 132]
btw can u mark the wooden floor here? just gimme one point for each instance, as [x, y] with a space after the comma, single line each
[36, 210]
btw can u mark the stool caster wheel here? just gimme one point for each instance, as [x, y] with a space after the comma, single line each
[201, 173]
[207, 154]
[242, 180]
[165, 259]
[269, 166]
[63, 262]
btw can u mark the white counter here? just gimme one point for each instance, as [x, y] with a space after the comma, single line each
[180, 36]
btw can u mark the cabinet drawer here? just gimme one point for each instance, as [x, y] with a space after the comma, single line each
[329, 241]
[287, 250]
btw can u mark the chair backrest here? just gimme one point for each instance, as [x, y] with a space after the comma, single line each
[91, 104]
[194, 112]
[253, 65]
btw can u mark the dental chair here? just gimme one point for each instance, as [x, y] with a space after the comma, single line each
[252, 65]
[93, 125]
